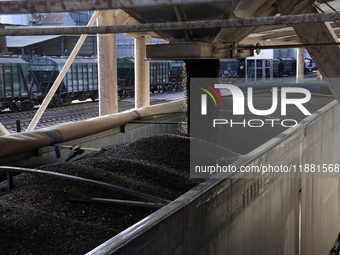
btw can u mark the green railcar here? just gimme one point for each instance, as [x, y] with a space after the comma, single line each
[80, 81]
[13, 87]
[125, 77]
[160, 76]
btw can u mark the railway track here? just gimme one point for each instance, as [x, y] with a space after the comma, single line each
[54, 116]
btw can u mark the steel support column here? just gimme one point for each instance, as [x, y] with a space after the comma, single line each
[63, 46]
[326, 58]
[263, 69]
[142, 74]
[271, 69]
[255, 69]
[107, 66]
[23, 52]
[300, 62]
[246, 70]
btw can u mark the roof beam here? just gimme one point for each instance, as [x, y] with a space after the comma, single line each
[194, 50]
[279, 41]
[268, 28]
[43, 6]
[279, 34]
[203, 24]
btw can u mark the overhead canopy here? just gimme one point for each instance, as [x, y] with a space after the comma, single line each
[266, 35]
[208, 11]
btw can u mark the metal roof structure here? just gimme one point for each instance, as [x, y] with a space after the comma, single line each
[11, 60]
[208, 13]
[265, 35]
[62, 61]
[16, 20]
[54, 18]
[283, 34]
[23, 41]
[61, 19]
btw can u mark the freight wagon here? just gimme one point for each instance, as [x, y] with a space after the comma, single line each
[80, 81]
[23, 85]
[13, 87]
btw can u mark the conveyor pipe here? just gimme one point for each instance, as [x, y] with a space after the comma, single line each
[61, 76]
[17, 143]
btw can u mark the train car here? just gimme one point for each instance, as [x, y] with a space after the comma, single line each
[294, 62]
[160, 76]
[229, 68]
[251, 69]
[80, 81]
[286, 67]
[309, 67]
[125, 77]
[314, 68]
[241, 71]
[13, 86]
[176, 75]
[276, 64]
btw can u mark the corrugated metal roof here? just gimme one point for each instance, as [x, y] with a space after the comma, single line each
[76, 60]
[12, 61]
[63, 60]
[23, 41]
[54, 18]
[16, 19]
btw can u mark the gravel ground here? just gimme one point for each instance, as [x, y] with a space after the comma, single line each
[37, 217]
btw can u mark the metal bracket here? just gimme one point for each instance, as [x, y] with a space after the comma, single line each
[123, 128]
[75, 150]
[234, 51]
[258, 51]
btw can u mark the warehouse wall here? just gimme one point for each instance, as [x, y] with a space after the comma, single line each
[252, 215]
[89, 48]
